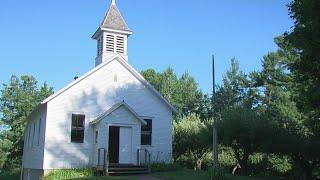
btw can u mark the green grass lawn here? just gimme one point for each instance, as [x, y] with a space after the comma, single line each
[171, 175]
[202, 175]
[13, 175]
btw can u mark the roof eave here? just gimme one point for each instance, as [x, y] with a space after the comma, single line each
[100, 30]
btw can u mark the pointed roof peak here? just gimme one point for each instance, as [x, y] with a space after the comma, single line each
[113, 19]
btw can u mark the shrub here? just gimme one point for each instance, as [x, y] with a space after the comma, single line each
[69, 173]
[280, 164]
[227, 157]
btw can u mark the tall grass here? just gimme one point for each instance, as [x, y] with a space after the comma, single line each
[69, 173]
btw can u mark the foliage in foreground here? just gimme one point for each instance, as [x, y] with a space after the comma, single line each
[70, 173]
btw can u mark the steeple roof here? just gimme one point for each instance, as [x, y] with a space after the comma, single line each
[114, 20]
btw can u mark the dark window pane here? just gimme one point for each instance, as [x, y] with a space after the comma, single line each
[77, 128]
[146, 139]
[147, 127]
[96, 137]
[146, 133]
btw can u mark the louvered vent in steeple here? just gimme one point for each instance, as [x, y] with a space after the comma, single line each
[120, 44]
[109, 43]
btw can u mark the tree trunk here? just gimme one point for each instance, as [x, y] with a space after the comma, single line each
[236, 168]
[198, 165]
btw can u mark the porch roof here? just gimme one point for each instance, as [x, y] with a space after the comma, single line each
[115, 107]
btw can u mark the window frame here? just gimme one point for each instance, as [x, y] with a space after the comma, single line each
[76, 127]
[147, 132]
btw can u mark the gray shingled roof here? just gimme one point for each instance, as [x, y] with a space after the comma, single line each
[114, 20]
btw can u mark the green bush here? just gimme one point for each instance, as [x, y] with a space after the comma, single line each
[227, 158]
[280, 164]
[186, 161]
[163, 167]
[69, 173]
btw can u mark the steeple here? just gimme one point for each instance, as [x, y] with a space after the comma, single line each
[112, 35]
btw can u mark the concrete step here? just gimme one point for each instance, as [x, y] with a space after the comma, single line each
[127, 169]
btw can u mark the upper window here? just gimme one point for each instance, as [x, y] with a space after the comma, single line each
[77, 128]
[146, 133]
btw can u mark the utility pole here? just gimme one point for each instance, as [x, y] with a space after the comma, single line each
[215, 131]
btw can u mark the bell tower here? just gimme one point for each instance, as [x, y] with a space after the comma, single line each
[112, 35]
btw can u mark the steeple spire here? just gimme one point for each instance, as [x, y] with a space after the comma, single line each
[112, 35]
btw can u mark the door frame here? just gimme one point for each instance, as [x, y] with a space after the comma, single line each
[132, 138]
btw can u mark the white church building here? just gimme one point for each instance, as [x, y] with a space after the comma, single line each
[109, 116]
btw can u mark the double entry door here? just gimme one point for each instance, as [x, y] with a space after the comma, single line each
[120, 145]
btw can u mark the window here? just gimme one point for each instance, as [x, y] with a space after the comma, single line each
[77, 128]
[39, 129]
[29, 134]
[33, 134]
[96, 139]
[146, 133]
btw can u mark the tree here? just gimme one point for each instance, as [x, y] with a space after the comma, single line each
[182, 92]
[286, 108]
[192, 137]
[244, 130]
[18, 99]
[232, 90]
[304, 39]
[305, 36]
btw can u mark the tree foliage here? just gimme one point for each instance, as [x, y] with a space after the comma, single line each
[182, 92]
[18, 99]
[193, 137]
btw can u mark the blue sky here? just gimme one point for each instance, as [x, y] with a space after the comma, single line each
[52, 39]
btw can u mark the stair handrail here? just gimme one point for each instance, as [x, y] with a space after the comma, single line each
[148, 154]
[147, 158]
[107, 162]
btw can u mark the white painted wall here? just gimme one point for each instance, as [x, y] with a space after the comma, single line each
[93, 96]
[34, 139]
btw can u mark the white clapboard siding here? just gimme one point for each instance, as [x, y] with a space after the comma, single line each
[93, 96]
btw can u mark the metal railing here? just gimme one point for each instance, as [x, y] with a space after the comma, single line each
[103, 162]
[144, 158]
